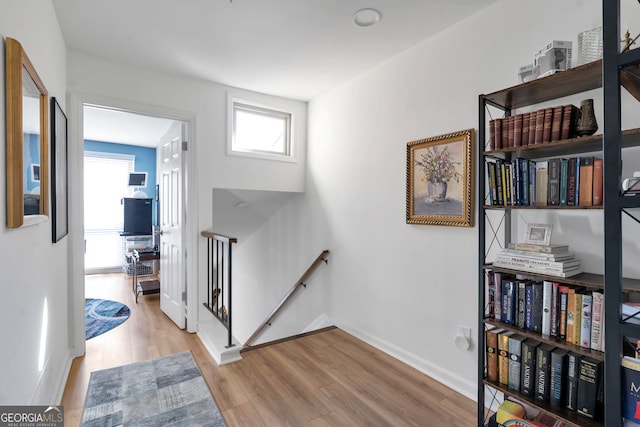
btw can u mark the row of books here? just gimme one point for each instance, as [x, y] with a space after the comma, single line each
[576, 181]
[537, 127]
[567, 313]
[562, 264]
[550, 374]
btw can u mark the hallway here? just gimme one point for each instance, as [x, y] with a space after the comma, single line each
[323, 379]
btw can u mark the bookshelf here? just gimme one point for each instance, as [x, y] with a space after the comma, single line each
[614, 71]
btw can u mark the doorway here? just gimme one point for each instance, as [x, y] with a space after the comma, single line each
[118, 144]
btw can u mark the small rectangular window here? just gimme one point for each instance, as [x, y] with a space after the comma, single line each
[259, 130]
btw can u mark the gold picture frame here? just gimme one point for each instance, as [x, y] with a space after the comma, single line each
[440, 180]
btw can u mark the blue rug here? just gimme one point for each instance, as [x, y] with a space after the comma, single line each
[103, 315]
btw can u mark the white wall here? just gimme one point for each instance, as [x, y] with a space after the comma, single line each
[34, 271]
[406, 288]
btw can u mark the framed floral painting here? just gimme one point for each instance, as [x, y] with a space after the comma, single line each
[440, 180]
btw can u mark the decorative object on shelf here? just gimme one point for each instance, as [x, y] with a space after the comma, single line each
[587, 124]
[59, 203]
[554, 57]
[538, 234]
[527, 73]
[590, 45]
[627, 41]
[440, 180]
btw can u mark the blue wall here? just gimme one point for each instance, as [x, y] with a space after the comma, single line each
[31, 156]
[145, 161]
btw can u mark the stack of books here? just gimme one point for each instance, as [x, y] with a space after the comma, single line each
[552, 260]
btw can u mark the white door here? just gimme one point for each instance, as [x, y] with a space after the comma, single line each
[172, 277]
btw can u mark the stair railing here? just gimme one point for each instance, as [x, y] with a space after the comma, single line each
[219, 263]
[301, 282]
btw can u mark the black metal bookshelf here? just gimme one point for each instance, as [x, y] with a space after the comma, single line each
[614, 71]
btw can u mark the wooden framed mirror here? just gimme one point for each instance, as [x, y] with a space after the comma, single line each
[27, 139]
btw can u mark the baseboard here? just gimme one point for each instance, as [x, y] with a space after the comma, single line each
[61, 384]
[281, 340]
[321, 322]
[448, 378]
[50, 390]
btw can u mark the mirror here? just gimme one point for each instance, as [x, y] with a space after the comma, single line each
[27, 139]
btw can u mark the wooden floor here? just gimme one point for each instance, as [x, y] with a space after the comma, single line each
[324, 379]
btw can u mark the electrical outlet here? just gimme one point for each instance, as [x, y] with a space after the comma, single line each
[465, 331]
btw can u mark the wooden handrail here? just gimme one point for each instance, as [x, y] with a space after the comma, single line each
[210, 234]
[301, 282]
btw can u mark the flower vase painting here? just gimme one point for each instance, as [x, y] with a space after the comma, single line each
[440, 180]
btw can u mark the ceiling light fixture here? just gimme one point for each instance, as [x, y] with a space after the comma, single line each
[367, 17]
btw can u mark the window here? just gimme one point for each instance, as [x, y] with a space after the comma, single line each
[106, 179]
[260, 131]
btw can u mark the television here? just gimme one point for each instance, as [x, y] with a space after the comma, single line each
[138, 179]
[137, 217]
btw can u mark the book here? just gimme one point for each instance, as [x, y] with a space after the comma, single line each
[543, 372]
[536, 309]
[597, 320]
[499, 170]
[577, 327]
[504, 141]
[492, 353]
[542, 249]
[541, 183]
[521, 304]
[630, 389]
[528, 371]
[573, 365]
[491, 295]
[508, 301]
[547, 290]
[532, 128]
[503, 357]
[569, 117]
[498, 134]
[538, 270]
[563, 300]
[598, 190]
[510, 132]
[555, 298]
[571, 181]
[539, 129]
[546, 124]
[576, 195]
[585, 329]
[532, 183]
[553, 182]
[515, 354]
[528, 306]
[571, 312]
[589, 378]
[517, 130]
[564, 170]
[493, 189]
[517, 261]
[526, 182]
[492, 135]
[556, 124]
[562, 256]
[585, 193]
[557, 392]
[497, 278]
[526, 117]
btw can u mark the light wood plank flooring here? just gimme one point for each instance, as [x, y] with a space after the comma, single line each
[324, 379]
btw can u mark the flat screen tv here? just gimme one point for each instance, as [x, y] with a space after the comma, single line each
[138, 179]
[137, 217]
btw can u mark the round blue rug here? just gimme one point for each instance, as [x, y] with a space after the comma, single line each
[103, 315]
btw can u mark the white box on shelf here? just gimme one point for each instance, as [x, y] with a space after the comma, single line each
[554, 57]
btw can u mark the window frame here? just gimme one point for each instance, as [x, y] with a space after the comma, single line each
[268, 110]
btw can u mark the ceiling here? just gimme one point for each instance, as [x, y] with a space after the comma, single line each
[296, 49]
